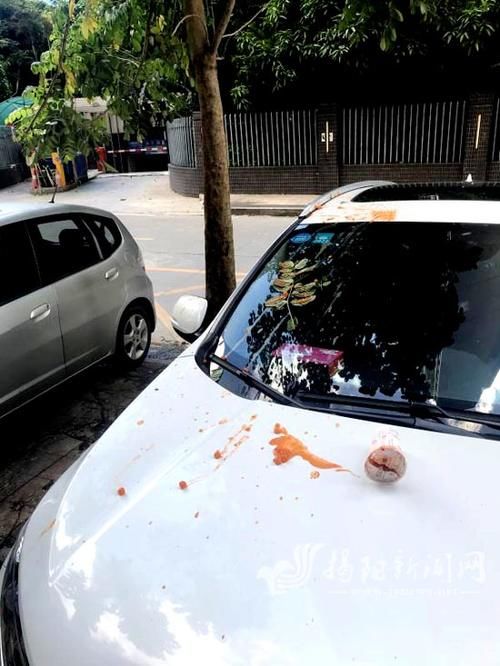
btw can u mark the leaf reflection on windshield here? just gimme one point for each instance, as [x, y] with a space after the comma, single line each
[362, 308]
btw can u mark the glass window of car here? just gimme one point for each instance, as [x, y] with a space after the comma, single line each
[18, 270]
[63, 246]
[393, 311]
[106, 233]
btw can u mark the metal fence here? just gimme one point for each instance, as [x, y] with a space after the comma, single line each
[181, 144]
[10, 152]
[495, 139]
[272, 138]
[414, 133]
[421, 133]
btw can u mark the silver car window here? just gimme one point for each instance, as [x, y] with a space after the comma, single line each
[106, 233]
[63, 246]
[18, 271]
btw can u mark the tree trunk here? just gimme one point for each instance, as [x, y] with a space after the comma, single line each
[220, 278]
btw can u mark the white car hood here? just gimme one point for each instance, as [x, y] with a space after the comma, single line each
[257, 563]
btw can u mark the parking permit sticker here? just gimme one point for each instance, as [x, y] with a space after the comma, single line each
[323, 238]
[300, 238]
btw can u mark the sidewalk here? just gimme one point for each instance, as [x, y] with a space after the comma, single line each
[150, 194]
[289, 205]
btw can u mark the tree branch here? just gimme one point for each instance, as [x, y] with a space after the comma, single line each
[146, 40]
[245, 25]
[220, 29]
[185, 18]
[56, 74]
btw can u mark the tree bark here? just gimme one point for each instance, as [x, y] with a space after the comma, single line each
[220, 279]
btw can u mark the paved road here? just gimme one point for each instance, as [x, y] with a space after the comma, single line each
[173, 251]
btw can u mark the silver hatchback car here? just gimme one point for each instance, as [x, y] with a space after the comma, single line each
[73, 291]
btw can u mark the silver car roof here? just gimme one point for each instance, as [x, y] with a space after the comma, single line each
[15, 212]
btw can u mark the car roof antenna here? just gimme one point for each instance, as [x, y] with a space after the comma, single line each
[53, 199]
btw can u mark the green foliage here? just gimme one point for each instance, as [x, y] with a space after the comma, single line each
[290, 36]
[5, 86]
[125, 52]
[57, 128]
[24, 30]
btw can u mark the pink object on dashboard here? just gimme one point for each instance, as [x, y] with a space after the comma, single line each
[308, 354]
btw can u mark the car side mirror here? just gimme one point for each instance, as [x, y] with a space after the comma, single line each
[188, 316]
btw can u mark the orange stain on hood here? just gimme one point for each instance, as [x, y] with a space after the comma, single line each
[287, 447]
[48, 528]
[279, 429]
[388, 215]
[221, 455]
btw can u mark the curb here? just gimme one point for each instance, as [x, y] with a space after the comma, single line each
[133, 174]
[278, 211]
[72, 186]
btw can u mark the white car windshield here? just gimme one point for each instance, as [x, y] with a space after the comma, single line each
[388, 310]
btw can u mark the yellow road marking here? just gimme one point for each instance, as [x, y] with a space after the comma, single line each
[180, 290]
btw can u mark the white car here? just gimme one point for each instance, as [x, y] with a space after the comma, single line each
[314, 481]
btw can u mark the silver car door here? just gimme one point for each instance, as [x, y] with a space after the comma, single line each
[31, 352]
[69, 258]
[111, 273]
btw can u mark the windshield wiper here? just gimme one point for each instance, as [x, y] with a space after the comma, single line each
[254, 382]
[367, 408]
[344, 405]
[405, 412]
[424, 411]
[431, 410]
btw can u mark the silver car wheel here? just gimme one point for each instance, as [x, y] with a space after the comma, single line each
[135, 336]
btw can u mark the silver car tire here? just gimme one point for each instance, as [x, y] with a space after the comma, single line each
[133, 337]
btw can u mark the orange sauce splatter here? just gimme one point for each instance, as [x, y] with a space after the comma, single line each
[233, 444]
[287, 447]
[253, 417]
[49, 527]
[121, 491]
[280, 430]
[315, 475]
[140, 422]
[383, 215]
[221, 455]
[223, 421]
